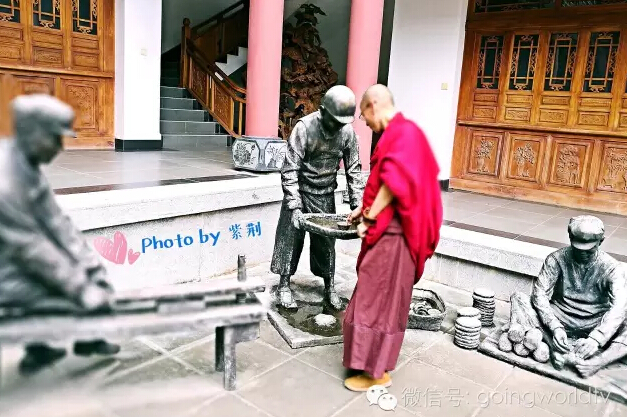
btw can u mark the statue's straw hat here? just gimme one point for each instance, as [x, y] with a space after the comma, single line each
[340, 102]
[56, 116]
[585, 231]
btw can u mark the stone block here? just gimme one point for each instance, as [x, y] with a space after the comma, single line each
[259, 154]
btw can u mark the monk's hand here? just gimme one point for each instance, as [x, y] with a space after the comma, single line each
[560, 340]
[362, 229]
[297, 217]
[584, 348]
[355, 215]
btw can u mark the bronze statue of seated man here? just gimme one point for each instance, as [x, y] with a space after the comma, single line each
[576, 315]
[45, 263]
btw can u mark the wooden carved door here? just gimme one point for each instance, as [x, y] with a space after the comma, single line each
[65, 48]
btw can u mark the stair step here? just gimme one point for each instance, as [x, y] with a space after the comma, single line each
[174, 92]
[170, 73]
[178, 103]
[193, 128]
[169, 82]
[170, 141]
[184, 115]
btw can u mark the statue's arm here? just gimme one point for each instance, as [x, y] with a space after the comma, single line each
[616, 315]
[38, 257]
[291, 167]
[542, 292]
[352, 167]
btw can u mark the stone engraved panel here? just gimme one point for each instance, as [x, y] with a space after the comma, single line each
[614, 169]
[275, 155]
[485, 153]
[524, 160]
[568, 167]
[246, 154]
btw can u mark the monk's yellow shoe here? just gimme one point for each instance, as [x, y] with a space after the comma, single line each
[361, 383]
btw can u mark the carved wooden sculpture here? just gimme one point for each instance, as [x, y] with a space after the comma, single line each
[307, 73]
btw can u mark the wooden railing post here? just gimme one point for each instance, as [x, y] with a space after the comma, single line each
[185, 37]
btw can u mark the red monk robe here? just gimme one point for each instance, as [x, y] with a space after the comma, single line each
[395, 248]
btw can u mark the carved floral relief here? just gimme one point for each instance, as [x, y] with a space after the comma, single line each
[484, 154]
[569, 167]
[614, 169]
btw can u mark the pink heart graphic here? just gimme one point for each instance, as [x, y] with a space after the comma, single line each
[132, 256]
[112, 251]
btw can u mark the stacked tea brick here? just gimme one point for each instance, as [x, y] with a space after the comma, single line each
[468, 328]
[483, 300]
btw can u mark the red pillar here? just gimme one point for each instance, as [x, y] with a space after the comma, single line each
[362, 70]
[265, 33]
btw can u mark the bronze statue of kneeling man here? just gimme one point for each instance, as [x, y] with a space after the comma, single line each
[576, 315]
[46, 265]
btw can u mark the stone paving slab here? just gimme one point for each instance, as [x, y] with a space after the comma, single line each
[173, 376]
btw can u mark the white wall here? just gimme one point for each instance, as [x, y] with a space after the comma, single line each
[427, 48]
[137, 69]
[197, 11]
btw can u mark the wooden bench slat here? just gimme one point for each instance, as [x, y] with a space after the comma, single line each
[217, 287]
[123, 326]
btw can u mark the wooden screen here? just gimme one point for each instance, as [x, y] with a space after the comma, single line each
[61, 47]
[543, 103]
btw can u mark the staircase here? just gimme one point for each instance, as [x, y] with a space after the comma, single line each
[234, 62]
[184, 123]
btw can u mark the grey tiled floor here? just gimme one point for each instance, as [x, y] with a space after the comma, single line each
[173, 375]
[523, 220]
[81, 168]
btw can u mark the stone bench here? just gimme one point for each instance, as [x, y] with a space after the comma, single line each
[228, 305]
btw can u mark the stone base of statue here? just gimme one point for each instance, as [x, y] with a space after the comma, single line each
[259, 154]
[313, 324]
[611, 381]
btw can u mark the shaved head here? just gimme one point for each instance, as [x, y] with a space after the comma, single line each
[377, 107]
[380, 94]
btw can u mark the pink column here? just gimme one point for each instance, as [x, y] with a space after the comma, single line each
[265, 33]
[364, 43]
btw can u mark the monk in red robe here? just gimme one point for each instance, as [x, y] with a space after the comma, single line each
[400, 220]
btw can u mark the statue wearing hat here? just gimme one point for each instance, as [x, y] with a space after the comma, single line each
[576, 315]
[45, 263]
[317, 144]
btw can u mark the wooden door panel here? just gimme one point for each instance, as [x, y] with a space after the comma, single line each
[526, 157]
[570, 163]
[57, 47]
[484, 154]
[83, 97]
[613, 173]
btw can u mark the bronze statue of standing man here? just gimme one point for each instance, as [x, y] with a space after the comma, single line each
[317, 144]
